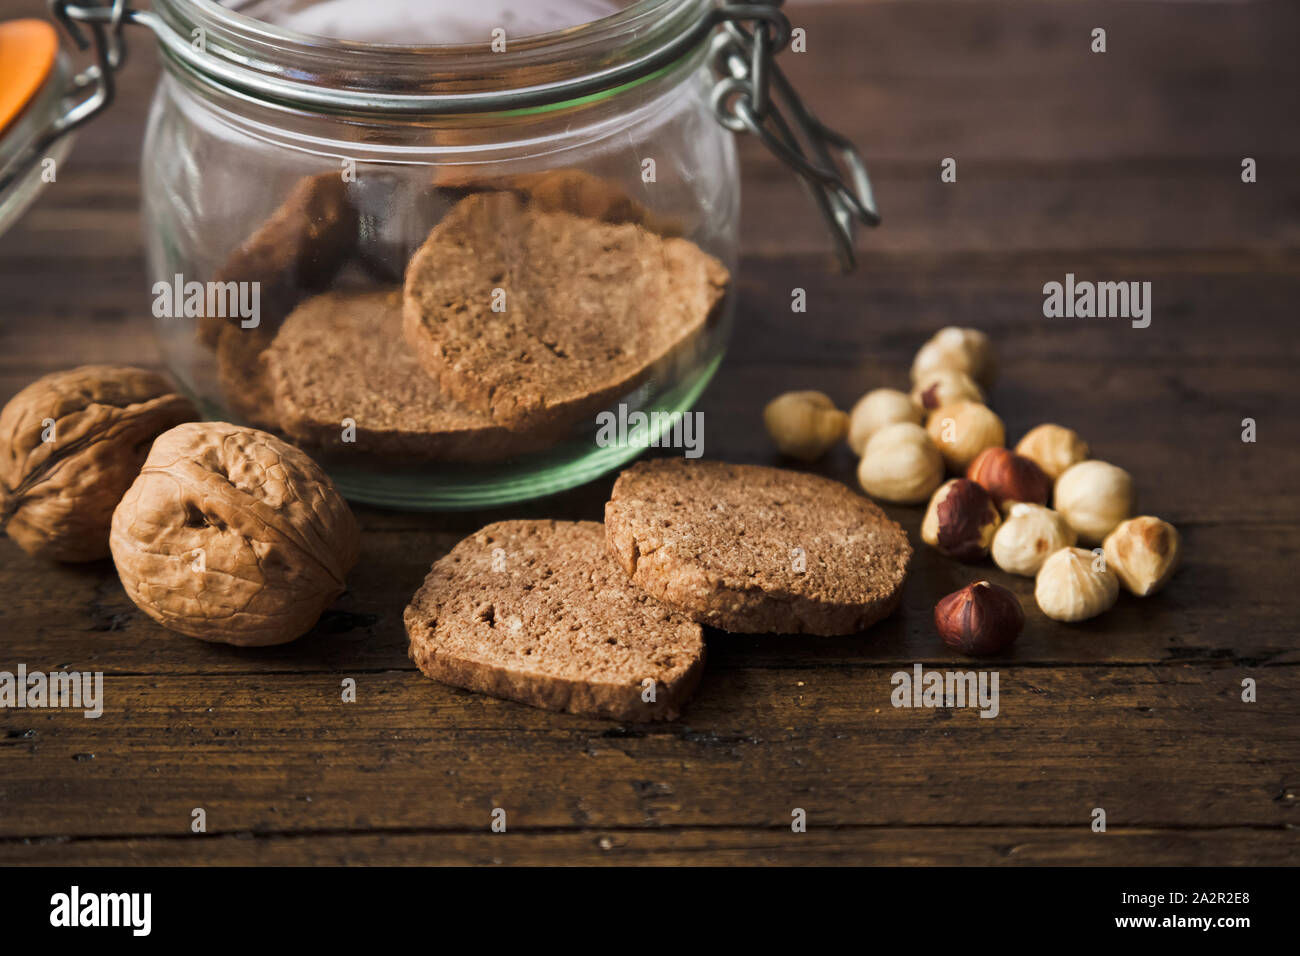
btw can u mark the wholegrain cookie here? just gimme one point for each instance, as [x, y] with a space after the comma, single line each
[243, 377]
[296, 252]
[341, 356]
[538, 612]
[538, 318]
[752, 549]
[567, 190]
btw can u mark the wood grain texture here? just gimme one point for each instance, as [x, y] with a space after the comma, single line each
[1123, 166]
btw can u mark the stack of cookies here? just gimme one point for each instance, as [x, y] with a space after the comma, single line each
[605, 621]
[533, 303]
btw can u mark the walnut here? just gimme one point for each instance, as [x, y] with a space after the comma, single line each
[231, 535]
[71, 443]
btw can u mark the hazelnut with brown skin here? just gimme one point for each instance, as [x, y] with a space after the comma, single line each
[1009, 478]
[960, 520]
[981, 618]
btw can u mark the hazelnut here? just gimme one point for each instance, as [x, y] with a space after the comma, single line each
[1094, 496]
[964, 430]
[1030, 533]
[71, 443]
[1053, 449]
[900, 464]
[981, 618]
[966, 350]
[231, 535]
[1074, 585]
[804, 425]
[945, 386]
[1009, 478]
[1144, 553]
[875, 410]
[960, 520]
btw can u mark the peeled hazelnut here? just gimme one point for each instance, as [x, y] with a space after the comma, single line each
[945, 386]
[981, 618]
[1094, 496]
[804, 425]
[1074, 585]
[966, 350]
[1053, 449]
[1009, 478]
[960, 520]
[876, 409]
[964, 430]
[1030, 533]
[900, 464]
[1144, 553]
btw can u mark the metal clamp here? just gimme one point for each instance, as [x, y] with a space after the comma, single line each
[105, 23]
[753, 95]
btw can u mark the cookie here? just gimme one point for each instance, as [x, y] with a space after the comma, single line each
[242, 376]
[341, 355]
[296, 252]
[538, 612]
[586, 310]
[568, 190]
[752, 549]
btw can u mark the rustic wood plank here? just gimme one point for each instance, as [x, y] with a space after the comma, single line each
[264, 754]
[1231, 602]
[711, 846]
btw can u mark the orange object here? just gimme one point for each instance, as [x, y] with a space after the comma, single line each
[27, 52]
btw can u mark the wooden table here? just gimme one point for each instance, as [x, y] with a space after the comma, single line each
[1117, 166]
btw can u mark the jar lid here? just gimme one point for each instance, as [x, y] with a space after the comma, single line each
[28, 49]
[32, 83]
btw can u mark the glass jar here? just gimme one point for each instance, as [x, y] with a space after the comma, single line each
[465, 272]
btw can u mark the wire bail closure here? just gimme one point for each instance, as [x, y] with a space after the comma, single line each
[105, 23]
[753, 95]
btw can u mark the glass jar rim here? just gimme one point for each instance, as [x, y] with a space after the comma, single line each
[228, 49]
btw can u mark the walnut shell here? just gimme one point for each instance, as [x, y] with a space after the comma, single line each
[71, 443]
[231, 535]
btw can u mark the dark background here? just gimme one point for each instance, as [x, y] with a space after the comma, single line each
[1121, 166]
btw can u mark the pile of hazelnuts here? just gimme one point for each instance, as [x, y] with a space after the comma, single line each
[1028, 508]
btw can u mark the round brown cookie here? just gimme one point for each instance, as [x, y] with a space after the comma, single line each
[755, 550]
[341, 355]
[590, 308]
[242, 375]
[538, 612]
[297, 251]
[566, 190]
